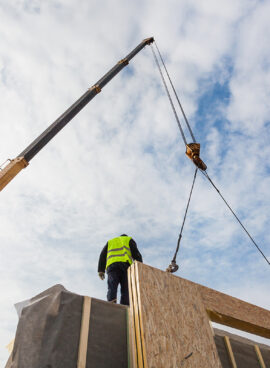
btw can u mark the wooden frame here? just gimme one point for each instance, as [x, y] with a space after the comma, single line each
[171, 318]
[230, 352]
[82, 351]
[259, 356]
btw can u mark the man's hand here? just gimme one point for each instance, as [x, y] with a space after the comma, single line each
[101, 275]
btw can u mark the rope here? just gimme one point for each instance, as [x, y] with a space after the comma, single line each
[175, 93]
[237, 218]
[173, 266]
[169, 96]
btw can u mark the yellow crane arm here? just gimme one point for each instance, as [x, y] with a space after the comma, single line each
[22, 160]
[11, 170]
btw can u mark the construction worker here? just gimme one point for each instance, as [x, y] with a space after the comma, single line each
[116, 257]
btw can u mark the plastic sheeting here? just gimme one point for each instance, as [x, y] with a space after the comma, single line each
[243, 350]
[48, 332]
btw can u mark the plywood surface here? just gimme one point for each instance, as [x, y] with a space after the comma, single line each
[174, 323]
[236, 313]
[172, 319]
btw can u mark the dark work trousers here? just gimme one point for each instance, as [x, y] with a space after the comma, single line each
[117, 274]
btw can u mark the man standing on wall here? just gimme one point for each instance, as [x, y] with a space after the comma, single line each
[116, 257]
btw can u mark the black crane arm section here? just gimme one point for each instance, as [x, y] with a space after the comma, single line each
[22, 160]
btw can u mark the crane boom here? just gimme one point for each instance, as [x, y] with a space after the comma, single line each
[23, 159]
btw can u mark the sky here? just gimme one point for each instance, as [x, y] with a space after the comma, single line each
[119, 166]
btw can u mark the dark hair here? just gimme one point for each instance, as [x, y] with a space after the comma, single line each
[123, 235]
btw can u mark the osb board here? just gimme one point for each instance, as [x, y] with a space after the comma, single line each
[172, 321]
[236, 313]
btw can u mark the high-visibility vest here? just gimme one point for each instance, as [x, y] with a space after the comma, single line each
[118, 250]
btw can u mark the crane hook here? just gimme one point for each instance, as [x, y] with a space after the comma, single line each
[173, 267]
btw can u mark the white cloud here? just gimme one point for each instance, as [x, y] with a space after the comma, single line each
[250, 83]
[119, 166]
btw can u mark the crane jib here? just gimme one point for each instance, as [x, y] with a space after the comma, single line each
[74, 109]
[22, 160]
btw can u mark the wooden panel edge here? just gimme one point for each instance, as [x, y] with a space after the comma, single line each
[236, 313]
[140, 315]
[238, 324]
[132, 333]
[140, 362]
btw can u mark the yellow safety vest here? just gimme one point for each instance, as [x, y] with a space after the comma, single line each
[118, 250]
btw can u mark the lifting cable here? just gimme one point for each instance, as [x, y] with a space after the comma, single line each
[234, 214]
[173, 267]
[169, 96]
[193, 151]
[175, 93]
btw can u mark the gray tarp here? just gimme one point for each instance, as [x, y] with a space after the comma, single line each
[243, 350]
[48, 332]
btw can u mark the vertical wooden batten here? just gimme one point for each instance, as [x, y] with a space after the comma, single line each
[132, 331]
[82, 352]
[230, 352]
[135, 311]
[141, 317]
[259, 356]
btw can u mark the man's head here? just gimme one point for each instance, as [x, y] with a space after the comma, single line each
[123, 235]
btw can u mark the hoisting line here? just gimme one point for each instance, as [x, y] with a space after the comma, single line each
[173, 267]
[192, 149]
[169, 96]
[176, 95]
[237, 218]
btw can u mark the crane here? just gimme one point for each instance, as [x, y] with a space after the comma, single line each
[14, 166]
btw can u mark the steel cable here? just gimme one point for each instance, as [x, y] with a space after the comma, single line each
[173, 267]
[169, 96]
[184, 220]
[175, 93]
[237, 218]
